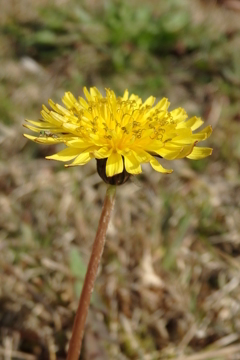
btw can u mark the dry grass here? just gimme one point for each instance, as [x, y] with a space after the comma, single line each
[168, 286]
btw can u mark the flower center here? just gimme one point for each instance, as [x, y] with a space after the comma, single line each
[121, 122]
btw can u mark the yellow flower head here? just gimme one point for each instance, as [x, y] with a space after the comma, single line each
[120, 132]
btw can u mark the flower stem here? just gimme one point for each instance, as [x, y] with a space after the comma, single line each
[97, 250]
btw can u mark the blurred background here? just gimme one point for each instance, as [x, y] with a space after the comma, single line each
[168, 285]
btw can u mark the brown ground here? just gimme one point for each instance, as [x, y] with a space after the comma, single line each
[168, 286]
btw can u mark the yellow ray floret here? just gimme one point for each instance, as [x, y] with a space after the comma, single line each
[123, 130]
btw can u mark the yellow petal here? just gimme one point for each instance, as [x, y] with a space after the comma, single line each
[114, 164]
[70, 127]
[79, 143]
[150, 101]
[141, 156]
[186, 150]
[194, 123]
[154, 145]
[64, 155]
[42, 124]
[45, 109]
[169, 154]
[102, 153]
[158, 167]
[189, 139]
[62, 119]
[30, 137]
[87, 94]
[200, 153]
[125, 95]
[81, 159]
[83, 102]
[32, 128]
[47, 128]
[95, 92]
[53, 105]
[44, 140]
[69, 100]
[62, 110]
[182, 133]
[163, 105]
[179, 114]
[132, 165]
[48, 117]
[206, 131]
[134, 97]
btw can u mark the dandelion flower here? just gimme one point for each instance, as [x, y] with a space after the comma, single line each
[121, 133]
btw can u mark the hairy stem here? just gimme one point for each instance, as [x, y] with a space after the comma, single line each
[97, 250]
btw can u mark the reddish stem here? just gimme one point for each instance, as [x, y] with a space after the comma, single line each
[97, 250]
